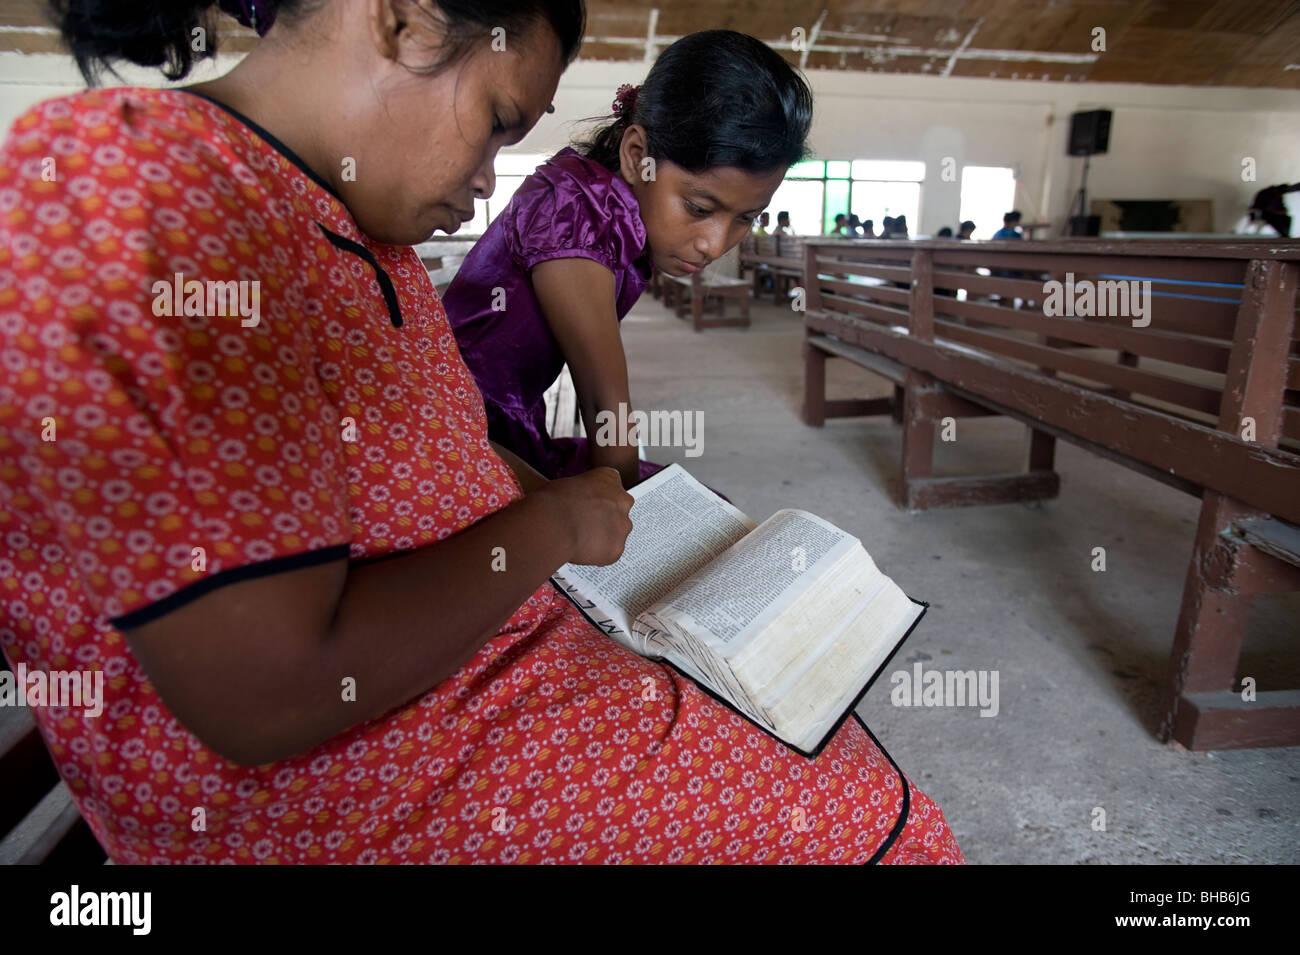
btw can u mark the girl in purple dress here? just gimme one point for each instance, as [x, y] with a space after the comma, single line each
[672, 183]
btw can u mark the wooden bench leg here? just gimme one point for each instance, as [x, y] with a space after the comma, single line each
[918, 437]
[814, 385]
[1042, 451]
[925, 402]
[1203, 704]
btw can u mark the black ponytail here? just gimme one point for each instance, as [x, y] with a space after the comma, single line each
[716, 98]
[160, 33]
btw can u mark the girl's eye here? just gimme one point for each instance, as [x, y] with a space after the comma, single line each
[697, 210]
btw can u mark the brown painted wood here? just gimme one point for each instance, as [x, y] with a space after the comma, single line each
[865, 309]
[814, 384]
[1173, 390]
[881, 293]
[812, 290]
[1222, 720]
[858, 407]
[921, 321]
[929, 493]
[918, 437]
[948, 249]
[1061, 434]
[1264, 477]
[944, 404]
[1257, 370]
[877, 364]
[1151, 342]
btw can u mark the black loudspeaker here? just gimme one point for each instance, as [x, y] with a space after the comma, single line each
[1090, 132]
[1085, 225]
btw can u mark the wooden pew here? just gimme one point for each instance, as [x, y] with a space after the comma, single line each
[705, 295]
[775, 257]
[1205, 398]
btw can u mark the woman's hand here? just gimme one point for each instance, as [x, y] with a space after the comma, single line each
[594, 508]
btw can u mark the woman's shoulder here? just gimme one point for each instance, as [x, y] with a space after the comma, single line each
[117, 115]
[573, 203]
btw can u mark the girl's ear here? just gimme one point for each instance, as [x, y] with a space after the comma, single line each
[631, 151]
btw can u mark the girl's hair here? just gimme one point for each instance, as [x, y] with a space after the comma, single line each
[160, 33]
[715, 98]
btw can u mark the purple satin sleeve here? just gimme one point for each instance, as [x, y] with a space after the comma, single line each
[555, 214]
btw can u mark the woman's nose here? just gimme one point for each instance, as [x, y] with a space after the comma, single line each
[484, 181]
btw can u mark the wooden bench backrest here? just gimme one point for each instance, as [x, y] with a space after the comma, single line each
[790, 246]
[1176, 362]
[1207, 393]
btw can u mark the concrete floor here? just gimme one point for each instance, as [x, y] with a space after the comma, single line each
[1081, 655]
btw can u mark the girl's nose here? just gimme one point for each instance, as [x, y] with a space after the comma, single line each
[710, 242]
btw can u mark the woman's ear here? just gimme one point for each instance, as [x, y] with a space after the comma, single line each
[403, 32]
[631, 153]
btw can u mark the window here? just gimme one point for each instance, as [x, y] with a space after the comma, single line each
[511, 170]
[987, 193]
[814, 192]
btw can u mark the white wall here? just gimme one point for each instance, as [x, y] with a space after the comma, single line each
[1167, 142]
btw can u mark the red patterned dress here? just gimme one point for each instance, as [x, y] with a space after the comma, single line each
[131, 435]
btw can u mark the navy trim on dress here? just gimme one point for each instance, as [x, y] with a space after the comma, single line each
[907, 797]
[385, 283]
[271, 141]
[200, 588]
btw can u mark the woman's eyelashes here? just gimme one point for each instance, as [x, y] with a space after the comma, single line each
[700, 212]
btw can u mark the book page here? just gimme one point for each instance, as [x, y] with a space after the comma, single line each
[678, 525]
[728, 601]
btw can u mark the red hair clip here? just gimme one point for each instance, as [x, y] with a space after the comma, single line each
[625, 100]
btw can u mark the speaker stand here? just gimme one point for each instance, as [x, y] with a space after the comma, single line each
[1080, 200]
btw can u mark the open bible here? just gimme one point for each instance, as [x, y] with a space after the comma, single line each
[788, 622]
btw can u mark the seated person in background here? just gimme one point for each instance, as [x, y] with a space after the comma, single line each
[1010, 227]
[900, 227]
[869, 229]
[887, 227]
[1268, 206]
[760, 227]
[855, 227]
[944, 233]
[782, 224]
[841, 225]
[967, 230]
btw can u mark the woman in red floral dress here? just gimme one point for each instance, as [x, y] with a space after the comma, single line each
[245, 473]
